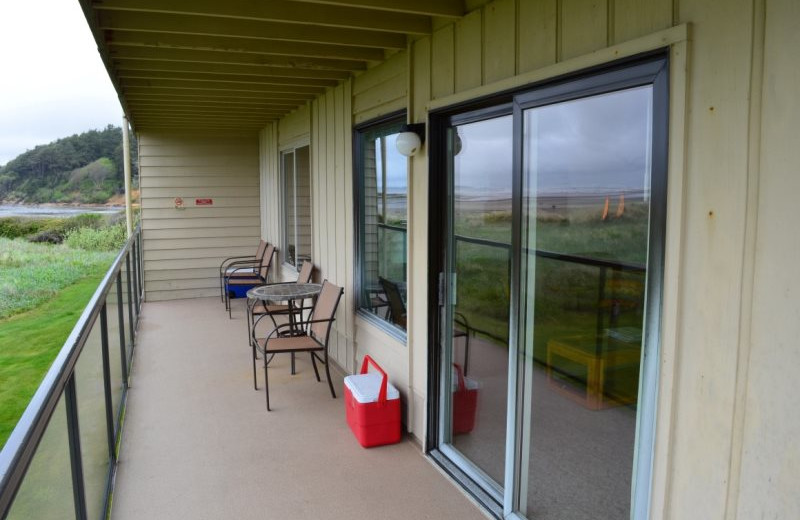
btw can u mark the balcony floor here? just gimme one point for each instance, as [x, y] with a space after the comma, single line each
[198, 442]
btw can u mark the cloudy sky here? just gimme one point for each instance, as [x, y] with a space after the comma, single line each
[53, 82]
[592, 145]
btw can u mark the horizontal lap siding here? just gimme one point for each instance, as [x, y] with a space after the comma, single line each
[184, 247]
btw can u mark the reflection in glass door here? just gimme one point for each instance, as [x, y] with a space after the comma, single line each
[477, 309]
[586, 210]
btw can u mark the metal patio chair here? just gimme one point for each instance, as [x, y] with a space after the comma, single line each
[258, 307]
[245, 276]
[310, 336]
[235, 262]
[398, 315]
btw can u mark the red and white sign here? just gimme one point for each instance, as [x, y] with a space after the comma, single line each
[203, 202]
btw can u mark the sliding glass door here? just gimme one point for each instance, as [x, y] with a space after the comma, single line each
[478, 276]
[551, 276]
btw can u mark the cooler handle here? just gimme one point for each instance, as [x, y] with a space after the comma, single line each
[384, 382]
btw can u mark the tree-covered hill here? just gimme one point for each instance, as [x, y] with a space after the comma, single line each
[83, 168]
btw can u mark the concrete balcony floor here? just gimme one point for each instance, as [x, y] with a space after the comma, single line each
[198, 442]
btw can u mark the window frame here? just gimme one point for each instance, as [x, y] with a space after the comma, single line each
[387, 121]
[284, 218]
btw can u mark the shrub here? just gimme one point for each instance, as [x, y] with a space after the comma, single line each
[110, 238]
[49, 237]
[14, 227]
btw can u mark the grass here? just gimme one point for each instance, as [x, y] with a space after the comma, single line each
[31, 274]
[566, 294]
[43, 290]
[30, 341]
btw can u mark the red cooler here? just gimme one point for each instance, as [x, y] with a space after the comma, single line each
[372, 406]
[465, 402]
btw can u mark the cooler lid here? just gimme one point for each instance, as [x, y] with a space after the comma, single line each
[366, 387]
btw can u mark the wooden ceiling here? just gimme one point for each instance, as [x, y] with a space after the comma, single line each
[238, 64]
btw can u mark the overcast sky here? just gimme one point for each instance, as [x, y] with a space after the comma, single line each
[52, 81]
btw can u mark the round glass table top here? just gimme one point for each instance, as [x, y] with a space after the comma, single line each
[284, 291]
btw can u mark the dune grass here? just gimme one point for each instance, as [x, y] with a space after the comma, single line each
[31, 274]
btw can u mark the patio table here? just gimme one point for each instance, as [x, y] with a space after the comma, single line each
[286, 292]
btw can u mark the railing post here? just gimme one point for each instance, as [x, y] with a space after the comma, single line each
[107, 383]
[121, 319]
[135, 253]
[74, 434]
[141, 260]
[131, 296]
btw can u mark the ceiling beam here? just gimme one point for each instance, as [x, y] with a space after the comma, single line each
[205, 120]
[195, 56]
[131, 65]
[242, 45]
[175, 109]
[280, 11]
[221, 86]
[210, 26]
[245, 80]
[161, 100]
[444, 8]
[208, 93]
[166, 113]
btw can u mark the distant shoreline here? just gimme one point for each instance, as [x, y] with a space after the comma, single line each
[54, 209]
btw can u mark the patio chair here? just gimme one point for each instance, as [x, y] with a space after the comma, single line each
[259, 307]
[397, 308]
[398, 315]
[234, 262]
[309, 336]
[246, 276]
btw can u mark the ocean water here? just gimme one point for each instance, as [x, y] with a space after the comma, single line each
[19, 210]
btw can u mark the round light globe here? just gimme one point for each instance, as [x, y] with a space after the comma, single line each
[408, 143]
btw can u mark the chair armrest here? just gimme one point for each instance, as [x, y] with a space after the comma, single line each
[232, 258]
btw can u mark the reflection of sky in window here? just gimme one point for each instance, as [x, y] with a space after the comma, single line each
[396, 172]
[600, 143]
[483, 166]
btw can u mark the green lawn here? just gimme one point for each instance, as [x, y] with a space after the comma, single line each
[30, 341]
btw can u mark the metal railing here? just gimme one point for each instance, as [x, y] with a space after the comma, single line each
[603, 266]
[61, 458]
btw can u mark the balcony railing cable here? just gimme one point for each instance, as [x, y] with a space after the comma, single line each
[60, 381]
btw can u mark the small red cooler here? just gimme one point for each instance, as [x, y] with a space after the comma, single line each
[372, 406]
[465, 402]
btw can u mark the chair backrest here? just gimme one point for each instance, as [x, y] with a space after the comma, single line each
[325, 309]
[304, 276]
[396, 305]
[262, 246]
[266, 261]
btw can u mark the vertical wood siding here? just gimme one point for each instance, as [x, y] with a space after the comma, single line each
[732, 294]
[184, 247]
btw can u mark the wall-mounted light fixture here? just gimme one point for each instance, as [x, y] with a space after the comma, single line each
[410, 139]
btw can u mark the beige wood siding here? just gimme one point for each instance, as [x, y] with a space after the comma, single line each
[332, 207]
[726, 427]
[184, 247]
[381, 90]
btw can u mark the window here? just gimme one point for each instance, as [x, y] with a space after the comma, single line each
[382, 197]
[296, 197]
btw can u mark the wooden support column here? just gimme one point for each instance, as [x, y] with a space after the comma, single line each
[126, 160]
